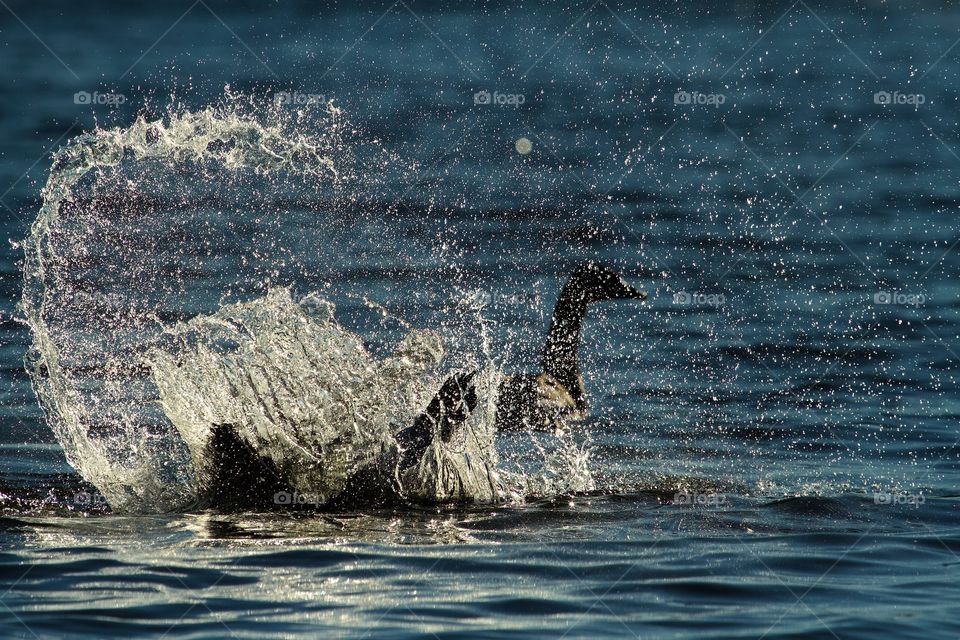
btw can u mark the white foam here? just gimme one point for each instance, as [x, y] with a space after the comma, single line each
[132, 399]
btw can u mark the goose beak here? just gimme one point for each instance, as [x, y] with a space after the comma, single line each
[629, 292]
[637, 294]
[622, 290]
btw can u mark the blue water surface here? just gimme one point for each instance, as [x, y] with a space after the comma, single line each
[774, 435]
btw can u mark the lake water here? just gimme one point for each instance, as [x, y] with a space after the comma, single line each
[773, 436]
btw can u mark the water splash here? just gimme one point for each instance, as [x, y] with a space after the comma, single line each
[132, 367]
[298, 387]
[83, 362]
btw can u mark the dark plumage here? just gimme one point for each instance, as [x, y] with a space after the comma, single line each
[455, 401]
[239, 477]
[543, 401]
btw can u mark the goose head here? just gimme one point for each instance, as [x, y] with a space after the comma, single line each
[594, 282]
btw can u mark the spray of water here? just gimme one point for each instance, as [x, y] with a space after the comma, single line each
[132, 370]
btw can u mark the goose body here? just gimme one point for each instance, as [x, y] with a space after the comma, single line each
[538, 402]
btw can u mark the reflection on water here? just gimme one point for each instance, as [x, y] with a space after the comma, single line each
[585, 566]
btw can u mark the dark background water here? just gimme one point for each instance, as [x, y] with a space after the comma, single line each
[816, 422]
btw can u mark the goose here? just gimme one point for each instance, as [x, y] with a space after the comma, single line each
[547, 400]
[241, 477]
